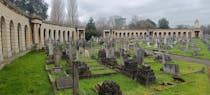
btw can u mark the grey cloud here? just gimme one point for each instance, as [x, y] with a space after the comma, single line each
[176, 11]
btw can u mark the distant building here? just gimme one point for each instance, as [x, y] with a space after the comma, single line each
[124, 33]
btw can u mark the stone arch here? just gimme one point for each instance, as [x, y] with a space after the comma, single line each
[184, 34]
[179, 34]
[189, 34]
[141, 34]
[26, 39]
[4, 40]
[64, 37]
[59, 35]
[132, 34]
[169, 33]
[19, 29]
[44, 34]
[128, 34]
[12, 36]
[155, 34]
[39, 35]
[50, 34]
[72, 35]
[164, 33]
[54, 34]
[68, 36]
[160, 34]
[124, 34]
[120, 34]
[1, 55]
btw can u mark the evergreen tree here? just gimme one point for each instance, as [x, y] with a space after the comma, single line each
[163, 23]
[91, 30]
[38, 7]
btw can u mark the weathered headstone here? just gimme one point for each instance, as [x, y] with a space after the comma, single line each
[109, 88]
[57, 56]
[145, 75]
[140, 56]
[171, 69]
[131, 67]
[162, 57]
[84, 69]
[64, 82]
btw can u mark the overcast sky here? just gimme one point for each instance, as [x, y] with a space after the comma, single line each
[176, 11]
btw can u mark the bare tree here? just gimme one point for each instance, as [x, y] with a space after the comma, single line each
[72, 13]
[102, 24]
[58, 12]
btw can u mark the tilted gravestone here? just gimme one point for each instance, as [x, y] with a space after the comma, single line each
[162, 57]
[140, 56]
[57, 56]
[171, 69]
[145, 75]
[104, 60]
[64, 82]
[109, 88]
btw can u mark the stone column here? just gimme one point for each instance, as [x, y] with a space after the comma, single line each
[22, 39]
[16, 39]
[56, 35]
[66, 36]
[42, 38]
[36, 38]
[61, 36]
[47, 34]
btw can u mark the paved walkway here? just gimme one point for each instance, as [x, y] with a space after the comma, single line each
[190, 59]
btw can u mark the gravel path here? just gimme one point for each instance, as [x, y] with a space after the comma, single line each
[189, 59]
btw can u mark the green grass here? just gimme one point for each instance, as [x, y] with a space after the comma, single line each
[25, 76]
[178, 49]
[199, 85]
[202, 54]
[97, 68]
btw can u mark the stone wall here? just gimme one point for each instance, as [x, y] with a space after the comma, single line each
[19, 32]
[190, 33]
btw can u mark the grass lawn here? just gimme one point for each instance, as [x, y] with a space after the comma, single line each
[178, 49]
[25, 76]
[202, 54]
[198, 83]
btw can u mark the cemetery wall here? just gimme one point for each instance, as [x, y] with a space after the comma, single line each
[19, 32]
[190, 33]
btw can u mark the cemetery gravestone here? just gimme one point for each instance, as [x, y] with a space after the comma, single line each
[171, 69]
[109, 88]
[140, 56]
[64, 82]
[145, 75]
[131, 67]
